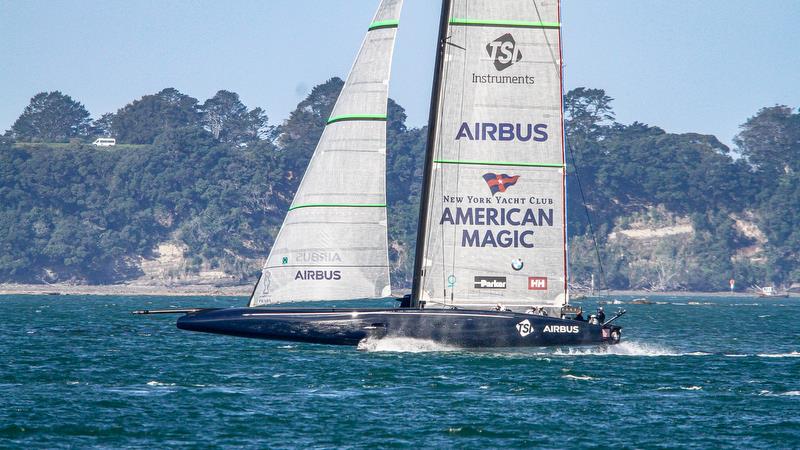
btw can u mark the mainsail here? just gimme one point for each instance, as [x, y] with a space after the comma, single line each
[333, 242]
[492, 226]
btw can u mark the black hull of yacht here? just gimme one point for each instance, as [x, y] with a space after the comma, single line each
[460, 328]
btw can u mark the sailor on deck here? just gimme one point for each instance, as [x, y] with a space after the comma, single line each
[601, 316]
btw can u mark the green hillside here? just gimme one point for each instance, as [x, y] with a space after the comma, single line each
[210, 182]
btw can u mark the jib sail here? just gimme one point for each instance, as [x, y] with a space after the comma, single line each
[333, 242]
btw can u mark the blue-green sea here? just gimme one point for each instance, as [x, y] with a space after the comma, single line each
[692, 372]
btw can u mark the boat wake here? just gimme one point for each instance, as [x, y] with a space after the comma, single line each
[779, 355]
[628, 348]
[403, 345]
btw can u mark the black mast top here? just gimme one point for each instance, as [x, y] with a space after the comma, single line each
[422, 223]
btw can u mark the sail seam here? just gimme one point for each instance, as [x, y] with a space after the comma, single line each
[498, 163]
[339, 205]
[383, 24]
[348, 117]
[504, 23]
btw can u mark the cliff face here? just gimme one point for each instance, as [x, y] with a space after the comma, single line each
[169, 265]
[662, 251]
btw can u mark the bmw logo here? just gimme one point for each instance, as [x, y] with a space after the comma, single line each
[517, 264]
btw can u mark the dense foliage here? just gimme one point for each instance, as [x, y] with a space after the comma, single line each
[51, 117]
[218, 178]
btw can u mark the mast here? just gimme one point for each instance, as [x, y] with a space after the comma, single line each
[422, 223]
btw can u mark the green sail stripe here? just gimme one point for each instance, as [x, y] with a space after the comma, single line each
[504, 23]
[497, 163]
[339, 205]
[384, 24]
[345, 117]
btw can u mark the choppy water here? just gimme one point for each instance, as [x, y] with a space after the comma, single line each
[702, 372]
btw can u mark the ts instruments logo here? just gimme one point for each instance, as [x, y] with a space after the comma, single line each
[525, 328]
[537, 283]
[499, 183]
[504, 52]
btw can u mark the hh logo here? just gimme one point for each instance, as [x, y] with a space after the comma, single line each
[537, 283]
[504, 52]
[525, 328]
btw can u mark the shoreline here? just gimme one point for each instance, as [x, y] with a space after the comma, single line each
[244, 290]
[126, 289]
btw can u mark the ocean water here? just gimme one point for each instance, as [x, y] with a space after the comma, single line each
[702, 372]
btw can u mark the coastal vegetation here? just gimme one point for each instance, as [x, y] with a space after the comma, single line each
[669, 211]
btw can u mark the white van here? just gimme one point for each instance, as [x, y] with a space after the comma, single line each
[105, 142]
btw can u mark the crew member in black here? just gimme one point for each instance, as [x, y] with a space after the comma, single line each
[579, 317]
[601, 316]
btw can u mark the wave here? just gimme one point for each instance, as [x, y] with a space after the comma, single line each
[780, 355]
[404, 345]
[683, 388]
[160, 384]
[779, 394]
[627, 348]
[578, 377]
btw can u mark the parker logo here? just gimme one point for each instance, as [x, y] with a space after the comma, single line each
[537, 283]
[490, 283]
[504, 52]
[525, 328]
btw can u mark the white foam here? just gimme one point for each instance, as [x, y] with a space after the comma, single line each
[627, 348]
[774, 394]
[780, 355]
[683, 388]
[578, 377]
[158, 383]
[403, 345]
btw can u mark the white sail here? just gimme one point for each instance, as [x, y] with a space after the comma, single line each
[494, 221]
[333, 242]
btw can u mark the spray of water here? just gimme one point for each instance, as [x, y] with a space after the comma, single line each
[403, 345]
[626, 348]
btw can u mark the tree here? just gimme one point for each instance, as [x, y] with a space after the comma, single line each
[142, 120]
[104, 126]
[586, 111]
[228, 119]
[770, 141]
[297, 137]
[51, 117]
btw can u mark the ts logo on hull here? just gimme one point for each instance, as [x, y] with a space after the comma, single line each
[504, 52]
[525, 328]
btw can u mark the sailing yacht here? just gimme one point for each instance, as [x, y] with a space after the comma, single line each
[491, 254]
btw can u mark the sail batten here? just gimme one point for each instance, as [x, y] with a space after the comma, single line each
[333, 243]
[493, 214]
